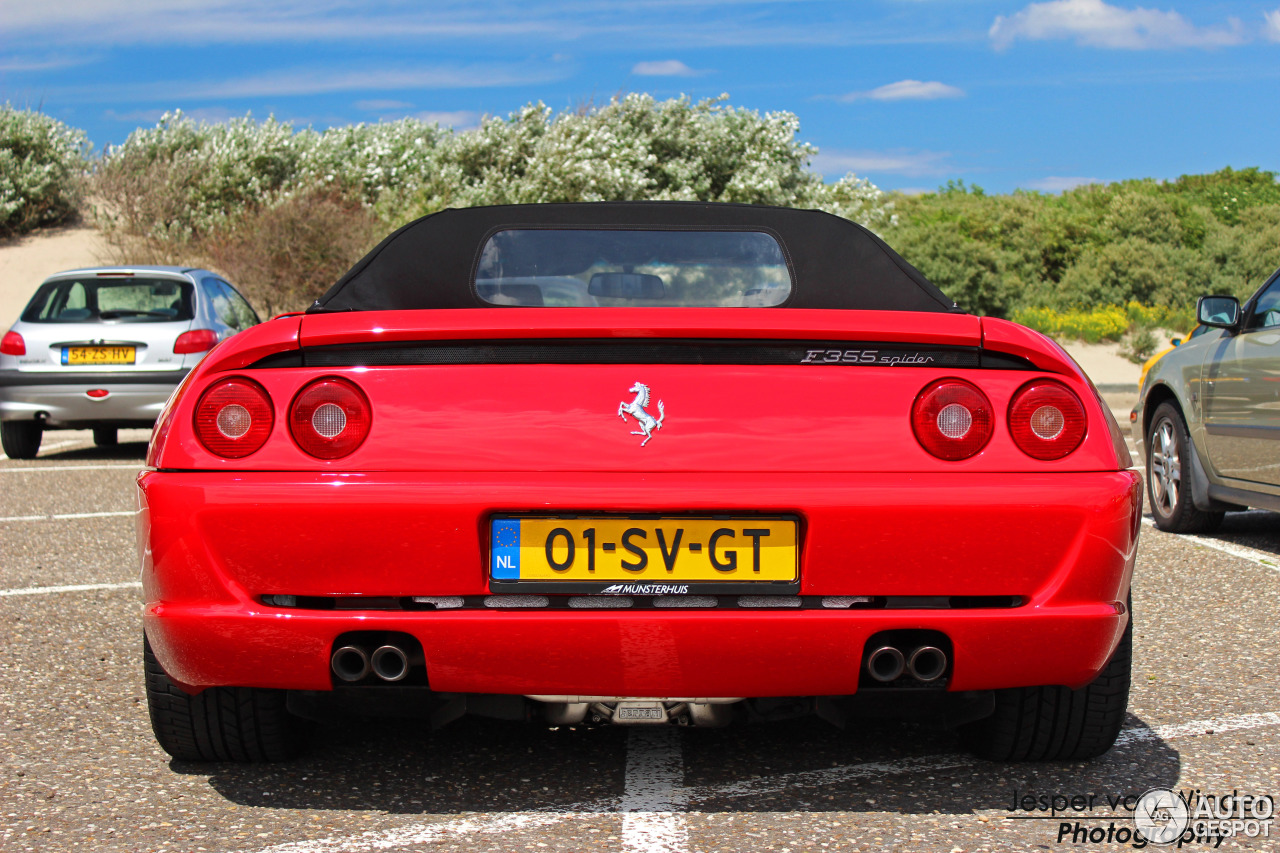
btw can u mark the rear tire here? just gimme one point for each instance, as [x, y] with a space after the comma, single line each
[1057, 723]
[105, 436]
[20, 439]
[1169, 475]
[220, 723]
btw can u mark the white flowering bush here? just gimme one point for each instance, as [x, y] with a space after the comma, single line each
[374, 163]
[629, 149]
[183, 191]
[43, 163]
[856, 199]
[633, 148]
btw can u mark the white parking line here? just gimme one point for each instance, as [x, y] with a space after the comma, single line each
[68, 516]
[1262, 558]
[653, 794]
[55, 446]
[1213, 725]
[428, 833]
[137, 467]
[828, 776]
[75, 587]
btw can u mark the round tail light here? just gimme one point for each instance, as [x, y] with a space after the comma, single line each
[1046, 419]
[952, 419]
[330, 418]
[234, 418]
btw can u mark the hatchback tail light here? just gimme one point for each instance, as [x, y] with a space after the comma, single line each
[196, 340]
[13, 344]
[952, 419]
[330, 418]
[1046, 419]
[234, 418]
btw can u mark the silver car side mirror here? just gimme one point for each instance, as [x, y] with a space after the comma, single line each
[1222, 312]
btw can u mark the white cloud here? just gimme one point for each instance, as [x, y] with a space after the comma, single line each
[1271, 29]
[210, 115]
[377, 106]
[906, 90]
[311, 81]
[664, 68]
[897, 161]
[20, 64]
[1056, 184]
[134, 116]
[392, 110]
[1098, 24]
[113, 23]
[456, 119]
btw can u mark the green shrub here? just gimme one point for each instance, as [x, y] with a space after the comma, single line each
[42, 170]
[1148, 317]
[632, 148]
[1228, 193]
[185, 191]
[284, 256]
[1142, 343]
[1109, 323]
[169, 191]
[1044, 320]
[1103, 324]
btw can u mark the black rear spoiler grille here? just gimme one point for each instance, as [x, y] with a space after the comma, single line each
[613, 351]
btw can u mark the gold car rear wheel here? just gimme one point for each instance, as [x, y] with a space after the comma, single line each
[1169, 475]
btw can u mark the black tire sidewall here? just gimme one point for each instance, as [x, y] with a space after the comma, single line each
[21, 439]
[1166, 411]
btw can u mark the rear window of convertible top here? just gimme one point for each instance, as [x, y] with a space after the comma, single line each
[632, 268]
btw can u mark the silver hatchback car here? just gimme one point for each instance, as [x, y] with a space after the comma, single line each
[104, 347]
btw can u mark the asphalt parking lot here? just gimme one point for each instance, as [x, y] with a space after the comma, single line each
[80, 769]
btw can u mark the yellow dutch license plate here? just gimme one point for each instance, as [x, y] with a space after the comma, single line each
[643, 550]
[98, 355]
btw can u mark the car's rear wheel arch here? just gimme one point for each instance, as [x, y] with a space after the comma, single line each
[1173, 505]
[243, 724]
[1055, 723]
[1159, 394]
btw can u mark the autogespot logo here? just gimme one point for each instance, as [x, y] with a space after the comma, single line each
[1161, 816]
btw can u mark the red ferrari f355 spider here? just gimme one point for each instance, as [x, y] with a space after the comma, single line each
[637, 463]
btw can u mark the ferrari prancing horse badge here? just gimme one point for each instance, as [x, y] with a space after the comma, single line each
[648, 423]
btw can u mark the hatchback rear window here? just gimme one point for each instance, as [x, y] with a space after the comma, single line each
[95, 300]
[632, 268]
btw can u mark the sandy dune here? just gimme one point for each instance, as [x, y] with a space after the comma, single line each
[25, 262]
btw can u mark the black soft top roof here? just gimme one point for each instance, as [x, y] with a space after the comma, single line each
[430, 263]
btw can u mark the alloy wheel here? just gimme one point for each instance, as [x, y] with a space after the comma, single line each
[1166, 467]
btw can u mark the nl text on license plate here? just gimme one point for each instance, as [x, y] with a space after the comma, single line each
[644, 550]
[98, 355]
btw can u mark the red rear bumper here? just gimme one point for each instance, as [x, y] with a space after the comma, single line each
[213, 543]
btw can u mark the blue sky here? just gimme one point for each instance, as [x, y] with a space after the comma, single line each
[908, 93]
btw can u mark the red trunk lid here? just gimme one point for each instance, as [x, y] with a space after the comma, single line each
[492, 390]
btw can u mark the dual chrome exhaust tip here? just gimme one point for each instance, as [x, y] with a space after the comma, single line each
[925, 664]
[353, 663]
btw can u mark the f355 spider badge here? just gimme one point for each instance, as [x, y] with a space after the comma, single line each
[648, 423]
